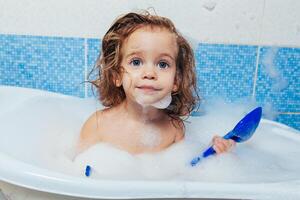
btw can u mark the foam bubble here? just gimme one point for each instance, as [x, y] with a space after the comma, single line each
[163, 103]
[150, 137]
[52, 126]
[160, 104]
[280, 82]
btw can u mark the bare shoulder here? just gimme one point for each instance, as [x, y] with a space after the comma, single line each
[90, 125]
[90, 132]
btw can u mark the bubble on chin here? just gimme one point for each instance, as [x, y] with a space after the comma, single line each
[161, 104]
[140, 99]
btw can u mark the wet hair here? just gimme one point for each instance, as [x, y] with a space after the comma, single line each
[108, 64]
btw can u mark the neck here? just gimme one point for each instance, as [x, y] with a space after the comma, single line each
[141, 113]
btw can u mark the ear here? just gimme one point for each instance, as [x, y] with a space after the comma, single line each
[175, 84]
[175, 88]
[118, 78]
[118, 82]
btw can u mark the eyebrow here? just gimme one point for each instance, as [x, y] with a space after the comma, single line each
[167, 55]
[139, 52]
[133, 53]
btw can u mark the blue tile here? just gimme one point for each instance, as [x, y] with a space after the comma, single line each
[278, 80]
[57, 64]
[94, 46]
[225, 71]
[292, 120]
[49, 63]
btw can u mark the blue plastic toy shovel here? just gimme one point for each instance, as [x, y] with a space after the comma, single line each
[240, 133]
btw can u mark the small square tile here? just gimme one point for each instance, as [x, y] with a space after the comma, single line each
[48, 63]
[94, 46]
[225, 71]
[278, 80]
[292, 120]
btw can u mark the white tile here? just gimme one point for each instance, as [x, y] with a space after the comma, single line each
[281, 23]
[223, 21]
[217, 21]
[212, 21]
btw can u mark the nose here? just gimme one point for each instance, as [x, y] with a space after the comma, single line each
[149, 73]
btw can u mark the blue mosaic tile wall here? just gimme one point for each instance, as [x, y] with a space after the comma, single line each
[93, 53]
[60, 64]
[279, 78]
[225, 70]
[48, 63]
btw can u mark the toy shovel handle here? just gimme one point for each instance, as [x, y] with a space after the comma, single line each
[208, 152]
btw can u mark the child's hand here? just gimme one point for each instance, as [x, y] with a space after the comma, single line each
[221, 145]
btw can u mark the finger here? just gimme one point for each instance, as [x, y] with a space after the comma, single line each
[232, 143]
[215, 138]
[216, 148]
[229, 144]
[222, 146]
[225, 145]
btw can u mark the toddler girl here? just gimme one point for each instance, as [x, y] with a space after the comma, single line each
[147, 84]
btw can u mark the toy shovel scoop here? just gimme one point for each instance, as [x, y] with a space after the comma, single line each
[240, 133]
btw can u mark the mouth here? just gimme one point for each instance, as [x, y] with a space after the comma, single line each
[148, 88]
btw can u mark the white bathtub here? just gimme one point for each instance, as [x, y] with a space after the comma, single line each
[20, 171]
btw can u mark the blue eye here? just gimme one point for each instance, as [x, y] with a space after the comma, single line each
[163, 65]
[136, 62]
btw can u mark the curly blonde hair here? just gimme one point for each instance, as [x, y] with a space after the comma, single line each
[109, 69]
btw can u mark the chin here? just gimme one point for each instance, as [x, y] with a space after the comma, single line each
[144, 100]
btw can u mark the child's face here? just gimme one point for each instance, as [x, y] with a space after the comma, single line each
[149, 62]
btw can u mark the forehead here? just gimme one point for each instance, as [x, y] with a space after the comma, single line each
[151, 38]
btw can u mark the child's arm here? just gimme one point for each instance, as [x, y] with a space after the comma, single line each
[222, 145]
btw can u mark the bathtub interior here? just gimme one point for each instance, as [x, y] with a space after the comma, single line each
[40, 129]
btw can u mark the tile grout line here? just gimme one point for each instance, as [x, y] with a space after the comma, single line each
[258, 52]
[289, 113]
[85, 66]
[255, 73]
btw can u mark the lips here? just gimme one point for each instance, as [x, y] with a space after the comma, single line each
[148, 88]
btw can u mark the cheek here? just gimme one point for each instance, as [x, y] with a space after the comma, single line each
[170, 80]
[128, 79]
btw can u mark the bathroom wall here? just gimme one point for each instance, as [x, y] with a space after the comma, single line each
[244, 49]
[263, 22]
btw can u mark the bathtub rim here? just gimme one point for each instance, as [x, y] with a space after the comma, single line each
[61, 184]
[11, 171]
[36, 178]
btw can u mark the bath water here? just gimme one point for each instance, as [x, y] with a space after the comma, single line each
[48, 129]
